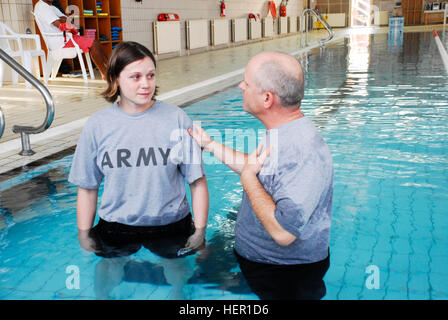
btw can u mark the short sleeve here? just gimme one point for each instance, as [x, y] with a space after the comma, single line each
[46, 14]
[57, 12]
[84, 171]
[191, 167]
[297, 193]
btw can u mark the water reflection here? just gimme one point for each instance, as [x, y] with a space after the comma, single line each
[214, 266]
[23, 195]
[117, 242]
[395, 41]
[110, 273]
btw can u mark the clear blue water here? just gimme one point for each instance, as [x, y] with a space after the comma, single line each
[382, 107]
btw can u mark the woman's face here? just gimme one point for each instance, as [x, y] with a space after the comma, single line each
[137, 83]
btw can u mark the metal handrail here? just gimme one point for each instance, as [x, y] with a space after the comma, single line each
[2, 122]
[321, 19]
[25, 131]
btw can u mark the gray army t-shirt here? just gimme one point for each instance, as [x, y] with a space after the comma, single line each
[144, 159]
[299, 177]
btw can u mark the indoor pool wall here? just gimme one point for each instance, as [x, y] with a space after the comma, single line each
[381, 105]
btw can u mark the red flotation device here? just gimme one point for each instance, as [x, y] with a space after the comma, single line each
[223, 8]
[67, 26]
[282, 11]
[254, 16]
[168, 17]
[272, 9]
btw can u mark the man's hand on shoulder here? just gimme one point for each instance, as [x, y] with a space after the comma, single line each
[255, 161]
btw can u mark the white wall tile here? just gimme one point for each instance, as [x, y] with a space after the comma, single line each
[138, 18]
[13, 12]
[6, 12]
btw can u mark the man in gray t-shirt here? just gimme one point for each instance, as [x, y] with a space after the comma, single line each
[298, 177]
[285, 214]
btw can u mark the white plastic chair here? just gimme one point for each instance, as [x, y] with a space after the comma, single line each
[6, 35]
[55, 57]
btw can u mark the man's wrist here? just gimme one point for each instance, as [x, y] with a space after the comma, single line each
[209, 147]
[247, 176]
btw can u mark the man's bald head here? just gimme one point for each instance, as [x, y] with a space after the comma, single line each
[281, 74]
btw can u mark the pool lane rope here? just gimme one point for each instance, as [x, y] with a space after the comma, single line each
[442, 49]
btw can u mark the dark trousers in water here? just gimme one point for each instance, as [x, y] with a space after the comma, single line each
[285, 282]
[114, 239]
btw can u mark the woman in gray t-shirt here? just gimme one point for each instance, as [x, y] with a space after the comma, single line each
[140, 149]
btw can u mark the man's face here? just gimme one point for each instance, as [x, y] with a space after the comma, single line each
[252, 98]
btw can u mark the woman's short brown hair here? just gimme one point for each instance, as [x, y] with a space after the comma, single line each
[123, 54]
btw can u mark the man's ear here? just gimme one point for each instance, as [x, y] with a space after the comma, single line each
[268, 99]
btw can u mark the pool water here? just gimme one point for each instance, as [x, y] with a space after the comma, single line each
[382, 106]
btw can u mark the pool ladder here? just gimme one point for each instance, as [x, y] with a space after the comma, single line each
[25, 131]
[304, 25]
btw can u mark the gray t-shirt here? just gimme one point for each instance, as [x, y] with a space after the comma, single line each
[144, 160]
[299, 177]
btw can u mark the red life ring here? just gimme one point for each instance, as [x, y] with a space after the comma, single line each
[272, 9]
[168, 17]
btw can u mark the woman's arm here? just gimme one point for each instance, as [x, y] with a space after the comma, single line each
[85, 214]
[200, 202]
[86, 208]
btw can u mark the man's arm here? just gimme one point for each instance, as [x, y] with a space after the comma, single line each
[247, 166]
[59, 21]
[262, 203]
[233, 159]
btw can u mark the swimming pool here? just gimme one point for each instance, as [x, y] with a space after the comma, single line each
[382, 107]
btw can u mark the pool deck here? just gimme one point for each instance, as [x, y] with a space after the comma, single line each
[180, 81]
